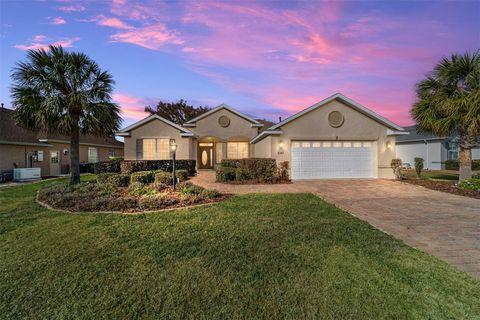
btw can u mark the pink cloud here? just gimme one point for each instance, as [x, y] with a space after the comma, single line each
[112, 22]
[131, 107]
[72, 8]
[151, 37]
[57, 20]
[40, 42]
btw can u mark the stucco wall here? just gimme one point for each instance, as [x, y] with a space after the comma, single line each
[433, 154]
[10, 154]
[314, 126]
[158, 129]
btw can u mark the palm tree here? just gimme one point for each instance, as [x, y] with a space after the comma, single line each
[448, 103]
[64, 92]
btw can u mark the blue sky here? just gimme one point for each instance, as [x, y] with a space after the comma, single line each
[268, 58]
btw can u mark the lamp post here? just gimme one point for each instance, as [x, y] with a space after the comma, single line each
[173, 147]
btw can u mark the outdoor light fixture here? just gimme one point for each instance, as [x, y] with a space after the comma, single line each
[280, 147]
[389, 145]
[173, 147]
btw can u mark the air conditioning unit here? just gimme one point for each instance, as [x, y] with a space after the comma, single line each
[25, 174]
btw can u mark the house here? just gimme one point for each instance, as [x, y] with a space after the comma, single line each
[20, 148]
[434, 150]
[335, 138]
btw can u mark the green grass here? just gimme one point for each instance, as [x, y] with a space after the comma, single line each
[436, 174]
[251, 257]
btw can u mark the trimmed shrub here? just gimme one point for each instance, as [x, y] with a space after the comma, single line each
[189, 188]
[242, 174]
[260, 169]
[209, 194]
[396, 165]
[181, 175]
[224, 174]
[418, 166]
[476, 164]
[119, 180]
[282, 171]
[229, 163]
[143, 177]
[158, 201]
[472, 184]
[130, 166]
[136, 188]
[164, 178]
[159, 186]
[106, 166]
[452, 165]
[102, 178]
[87, 167]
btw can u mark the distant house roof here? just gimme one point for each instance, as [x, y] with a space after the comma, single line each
[266, 124]
[11, 133]
[416, 136]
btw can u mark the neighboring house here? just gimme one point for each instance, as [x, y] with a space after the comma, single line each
[20, 148]
[434, 150]
[335, 138]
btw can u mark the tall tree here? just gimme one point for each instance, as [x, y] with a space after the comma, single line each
[178, 112]
[448, 103]
[64, 92]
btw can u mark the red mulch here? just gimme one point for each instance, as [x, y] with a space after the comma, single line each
[443, 186]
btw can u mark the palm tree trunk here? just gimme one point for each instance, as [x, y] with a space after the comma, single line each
[74, 153]
[465, 162]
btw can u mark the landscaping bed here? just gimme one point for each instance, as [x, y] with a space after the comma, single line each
[252, 171]
[139, 191]
[443, 186]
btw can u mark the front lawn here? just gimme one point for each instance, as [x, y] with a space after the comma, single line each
[451, 175]
[255, 256]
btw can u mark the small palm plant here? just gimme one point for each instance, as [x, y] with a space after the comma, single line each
[418, 166]
[64, 92]
[448, 103]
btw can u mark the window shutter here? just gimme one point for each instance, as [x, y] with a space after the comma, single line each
[139, 149]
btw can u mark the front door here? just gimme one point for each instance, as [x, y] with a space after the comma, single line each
[205, 155]
[54, 163]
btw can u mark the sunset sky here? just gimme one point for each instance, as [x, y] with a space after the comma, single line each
[267, 58]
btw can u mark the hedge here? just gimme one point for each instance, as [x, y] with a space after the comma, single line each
[257, 169]
[130, 166]
[454, 164]
[107, 166]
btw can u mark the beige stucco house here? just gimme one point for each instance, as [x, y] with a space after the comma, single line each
[335, 138]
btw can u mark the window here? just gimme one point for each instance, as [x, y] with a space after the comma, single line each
[305, 144]
[327, 144]
[357, 144]
[111, 153]
[156, 149]
[367, 144]
[92, 154]
[295, 144]
[316, 144]
[337, 144]
[347, 144]
[453, 151]
[237, 150]
[219, 152]
[54, 155]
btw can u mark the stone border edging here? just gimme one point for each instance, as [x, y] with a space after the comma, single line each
[49, 207]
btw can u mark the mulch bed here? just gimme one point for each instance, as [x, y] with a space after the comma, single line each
[257, 182]
[443, 186]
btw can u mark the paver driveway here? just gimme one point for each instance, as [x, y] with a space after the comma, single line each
[445, 225]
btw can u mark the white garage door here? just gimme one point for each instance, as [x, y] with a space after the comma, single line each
[332, 159]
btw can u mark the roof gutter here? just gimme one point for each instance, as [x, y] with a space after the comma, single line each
[264, 134]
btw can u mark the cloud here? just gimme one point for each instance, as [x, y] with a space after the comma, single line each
[57, 20]
[72, 8]
[41, 42]
[131, 107]
[116, 23]
[150, 37]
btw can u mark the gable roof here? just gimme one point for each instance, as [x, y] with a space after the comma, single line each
[353, 104]
[191, 123]
[126, 131]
